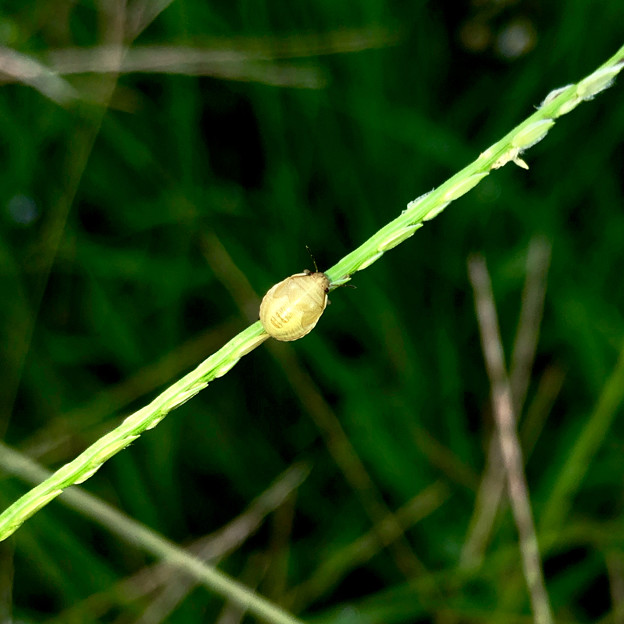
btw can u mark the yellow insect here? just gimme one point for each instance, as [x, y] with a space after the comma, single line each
[292, 308]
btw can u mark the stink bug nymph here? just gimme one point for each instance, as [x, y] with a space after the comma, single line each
[292, 308]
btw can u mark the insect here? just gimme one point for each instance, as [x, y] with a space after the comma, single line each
[292, 308]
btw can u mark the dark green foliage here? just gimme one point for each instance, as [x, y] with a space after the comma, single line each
[109, 221]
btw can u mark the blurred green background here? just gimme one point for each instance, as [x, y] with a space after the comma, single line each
[142, 216]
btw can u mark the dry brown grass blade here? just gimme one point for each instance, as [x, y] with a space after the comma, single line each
[502, 403]
[18, 67]
[492, 485]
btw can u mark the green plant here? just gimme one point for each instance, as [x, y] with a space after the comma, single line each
[508, 150]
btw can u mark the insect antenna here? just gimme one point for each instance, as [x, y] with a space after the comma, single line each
[313, 259]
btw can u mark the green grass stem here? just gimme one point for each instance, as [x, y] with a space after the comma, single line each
[508, 149]
[155, 544]
[585, 447]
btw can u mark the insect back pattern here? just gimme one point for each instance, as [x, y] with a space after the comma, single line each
[292, 308]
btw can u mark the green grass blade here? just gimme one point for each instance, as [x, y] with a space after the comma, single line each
[508, 149]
